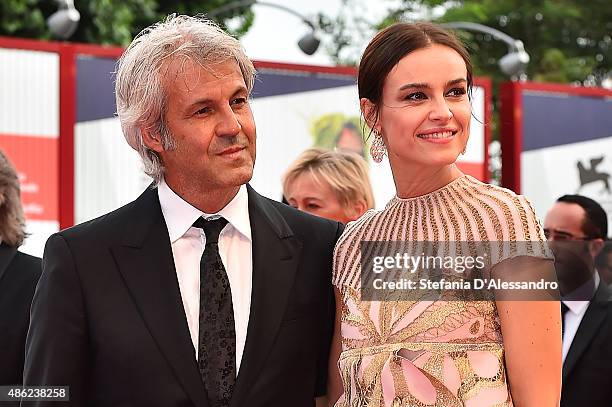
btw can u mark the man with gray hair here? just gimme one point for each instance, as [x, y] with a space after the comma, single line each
[201, 292]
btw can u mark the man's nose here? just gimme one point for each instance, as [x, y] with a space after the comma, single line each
[228, 124]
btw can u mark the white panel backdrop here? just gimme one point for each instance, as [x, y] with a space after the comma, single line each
[548, 173]
[29, 106]
[29, 92]
[108, 172]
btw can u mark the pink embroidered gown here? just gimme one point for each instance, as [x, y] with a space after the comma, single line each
[428, 353]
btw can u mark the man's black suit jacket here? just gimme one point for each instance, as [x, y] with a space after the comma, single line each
[19, 274]
[108, 320]
[587, 370]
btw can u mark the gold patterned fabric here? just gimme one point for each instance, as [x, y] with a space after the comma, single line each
[429, 352]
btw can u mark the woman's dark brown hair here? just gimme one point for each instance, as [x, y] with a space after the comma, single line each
[393, 43]
[12, 221]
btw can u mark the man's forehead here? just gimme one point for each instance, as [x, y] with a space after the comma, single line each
[566, 214]
[186, 72]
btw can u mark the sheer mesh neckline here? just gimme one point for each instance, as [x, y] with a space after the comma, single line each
[463, 179]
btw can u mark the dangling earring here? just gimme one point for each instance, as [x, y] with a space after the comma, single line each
[377, 149]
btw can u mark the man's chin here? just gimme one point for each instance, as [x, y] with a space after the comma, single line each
[246, 178]
[239, 177]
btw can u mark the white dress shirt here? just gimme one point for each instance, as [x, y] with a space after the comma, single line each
[235, 248]
[577, 309]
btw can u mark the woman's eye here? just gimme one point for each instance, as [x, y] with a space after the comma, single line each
[312, 206]
[456, 92]
[416, 96]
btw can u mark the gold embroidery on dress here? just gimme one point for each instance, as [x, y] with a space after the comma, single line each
[387, 343]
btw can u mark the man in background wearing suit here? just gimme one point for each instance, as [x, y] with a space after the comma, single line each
[576, 227]
[603, 262]
[19, 274]
[201, 292]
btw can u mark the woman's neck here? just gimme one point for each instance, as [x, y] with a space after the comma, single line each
[417, 182]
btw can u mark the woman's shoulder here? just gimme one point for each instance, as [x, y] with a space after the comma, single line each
[517, 229]
[511, 212]
[372, 225]
[360, 228]
[348, 248]
[364, 221]
[493, 191]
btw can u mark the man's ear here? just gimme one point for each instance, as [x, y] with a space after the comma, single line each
[595, 247]
[368, 110]
[151, 140]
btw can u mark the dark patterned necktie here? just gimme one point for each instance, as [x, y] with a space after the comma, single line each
[564, 309]
[217, 333]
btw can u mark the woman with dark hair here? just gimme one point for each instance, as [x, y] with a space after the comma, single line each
[19, 273]
[414, 86]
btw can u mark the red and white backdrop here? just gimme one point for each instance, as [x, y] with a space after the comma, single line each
[29, 132]
[58, 127]
[557, 140]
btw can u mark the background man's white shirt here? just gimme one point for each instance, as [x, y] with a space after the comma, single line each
[577, 309]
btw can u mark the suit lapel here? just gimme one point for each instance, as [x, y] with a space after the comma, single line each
[6, 256]
[276, 254]
[146, 263]
[591, 321]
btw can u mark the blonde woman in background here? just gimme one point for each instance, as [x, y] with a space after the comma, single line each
[330, 184]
